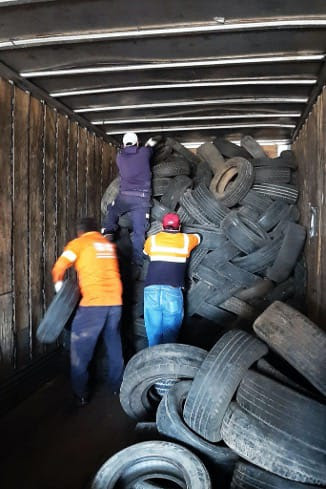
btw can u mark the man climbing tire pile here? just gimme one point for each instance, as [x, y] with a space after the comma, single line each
[134, 196]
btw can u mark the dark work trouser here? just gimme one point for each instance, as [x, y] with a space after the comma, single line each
[86, 328]
[138, 209]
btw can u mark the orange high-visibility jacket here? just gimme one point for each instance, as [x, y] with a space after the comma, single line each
[96, 262]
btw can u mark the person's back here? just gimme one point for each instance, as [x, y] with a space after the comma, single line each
[168, 252]
[134, 168]
[98, 270]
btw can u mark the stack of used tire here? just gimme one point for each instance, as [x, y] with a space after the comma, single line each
[251, 424]
[243, 204]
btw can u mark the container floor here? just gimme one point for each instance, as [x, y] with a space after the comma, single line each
[48, 443]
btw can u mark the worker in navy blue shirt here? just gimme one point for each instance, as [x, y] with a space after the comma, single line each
[134, 196]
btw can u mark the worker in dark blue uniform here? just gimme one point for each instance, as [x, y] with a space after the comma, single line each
[134, 196]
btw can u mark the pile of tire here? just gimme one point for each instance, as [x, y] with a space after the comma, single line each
[243, 204]
[251, 425]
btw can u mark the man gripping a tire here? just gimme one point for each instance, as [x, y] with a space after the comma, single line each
[168, 252]
[96, 263]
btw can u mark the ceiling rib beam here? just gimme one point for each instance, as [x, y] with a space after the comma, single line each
[280, 58]
[189, 103]
[198, 118]
[213, 27]
[195, 84]
[200, 128]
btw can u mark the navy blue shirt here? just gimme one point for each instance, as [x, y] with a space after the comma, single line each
[134, 168]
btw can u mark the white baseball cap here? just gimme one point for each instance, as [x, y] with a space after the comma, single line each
[130, 139]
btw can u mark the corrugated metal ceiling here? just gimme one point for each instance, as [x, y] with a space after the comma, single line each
[188, 69]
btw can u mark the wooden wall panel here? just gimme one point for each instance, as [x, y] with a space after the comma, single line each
[310, 150]
[20, 230]
[98, 178]
[62, 159]
[72, 181]
[81, 173]
[51, 169]
[36, 215]
[50, 199]
[6, 292]
[90, 176]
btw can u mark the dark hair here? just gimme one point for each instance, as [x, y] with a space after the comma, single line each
[86, 224]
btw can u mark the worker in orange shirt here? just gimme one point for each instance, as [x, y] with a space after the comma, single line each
[168, 252]
[96, 263]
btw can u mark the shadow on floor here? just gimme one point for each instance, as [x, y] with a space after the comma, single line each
[47, 443]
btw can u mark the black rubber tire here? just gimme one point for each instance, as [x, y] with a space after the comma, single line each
[245, 234]
[161, 153]
[297, 339]
[249, 213]
[57, 315]
[160, 185]
[158, 210]
[286, 159]
[203, 174]
[260, 289]
[290, 250]
[239, 307]
[196, 295]
[223, 253]
[196, 257]
[266, 447]
[230, 150]
[215, 314]
[110, 195]
[217, 380]
[176, 188]
[171, 168]
[268, 370]
[170, 422]
[286, 192]
[238, 276]
[190, 205]
[259, 260]
[270, 174]
[284, 409]
[177, 460]
[208, 152]
[185, 218]
[155, 227]
[214, 210]
[272, 215]
[167, 361]
[289, 214]
[234, 191]
[184, 152]
[248, 476]
[253, 148]
[210, 238]
[257, 201]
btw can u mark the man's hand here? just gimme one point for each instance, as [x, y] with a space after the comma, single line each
[58, 285]
[151, 142]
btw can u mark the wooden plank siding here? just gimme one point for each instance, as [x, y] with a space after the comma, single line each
[310, 150]
[36, 216]
[51, 173]
[7, 343]
[21, 237]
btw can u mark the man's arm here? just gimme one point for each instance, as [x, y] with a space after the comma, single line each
[65, 261]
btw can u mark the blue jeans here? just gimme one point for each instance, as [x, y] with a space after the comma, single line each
[163, 313]
[138, 209]
[86, 328]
